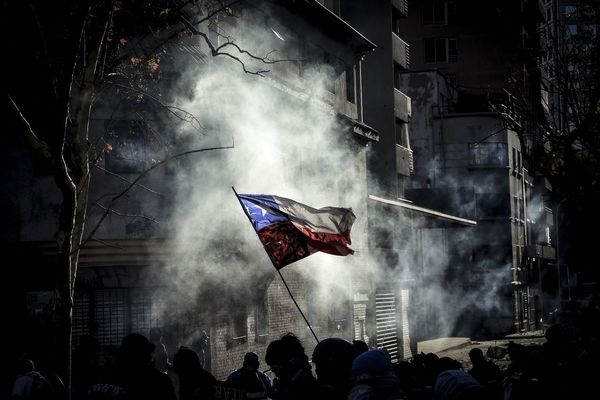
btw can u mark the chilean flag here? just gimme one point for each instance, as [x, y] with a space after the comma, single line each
[291, 231]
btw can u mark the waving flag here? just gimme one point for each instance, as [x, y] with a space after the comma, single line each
[291, 231]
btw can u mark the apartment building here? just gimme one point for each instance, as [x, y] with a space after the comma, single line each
[471, 65]
[406, 239]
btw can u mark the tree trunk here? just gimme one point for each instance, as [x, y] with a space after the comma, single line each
[72, 175]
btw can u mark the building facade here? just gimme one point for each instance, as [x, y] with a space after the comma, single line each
[409, 242]
[472, 65]
[176, 252]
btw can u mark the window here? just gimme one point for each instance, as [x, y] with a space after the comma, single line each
[440, 50]
[108, 314]
[452, 53]
[451, 12]
[487, 154]
[238, 326]
[396, 21]
[439, 12]
[514, 159]
[350, 84]
[434, 12]
[262, 320]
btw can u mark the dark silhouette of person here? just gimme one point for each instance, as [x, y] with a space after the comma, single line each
[162, 361]
[30, 384]
[374, 377]
[250, 379]
[333, 359]
[201, 345]
[289, 363]
[445, 364]
[430, 363]
[195, 383]
[360, 346]
[85, 368]
[485, 371]
[135, 374]
[456, 384]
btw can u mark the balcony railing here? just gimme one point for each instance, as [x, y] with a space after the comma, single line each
[402, 107]
[401, 5]
[404, 161]
[400, 51]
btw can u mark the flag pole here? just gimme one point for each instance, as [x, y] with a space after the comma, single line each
[277, 269]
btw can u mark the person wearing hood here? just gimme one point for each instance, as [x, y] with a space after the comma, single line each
[374, 378]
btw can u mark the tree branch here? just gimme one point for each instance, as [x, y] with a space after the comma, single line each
[216, 51]
[36, 143]
[120, 214]
[174, 110]
[140, 176]
[127, 180]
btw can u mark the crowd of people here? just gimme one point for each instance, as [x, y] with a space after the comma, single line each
[563, 367]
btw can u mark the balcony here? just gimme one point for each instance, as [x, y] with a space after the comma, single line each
[402, 6]
[400, 52]
[404, 161]
[402, 107]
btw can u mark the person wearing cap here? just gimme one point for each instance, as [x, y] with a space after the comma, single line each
[256, 384]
